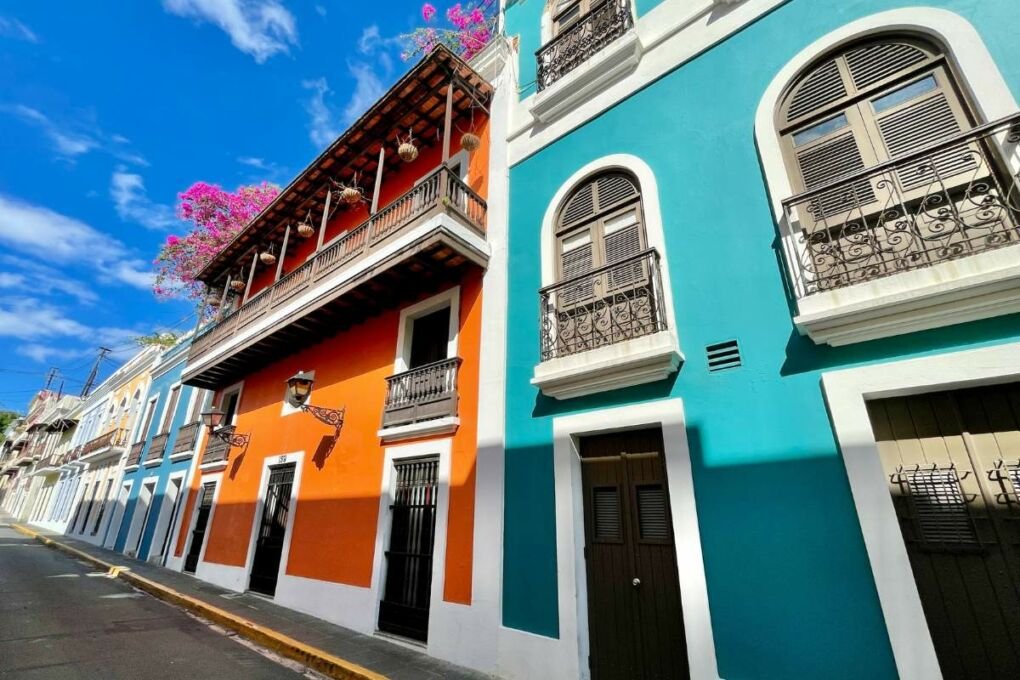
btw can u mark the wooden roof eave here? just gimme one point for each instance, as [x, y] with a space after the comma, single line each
[354, 153]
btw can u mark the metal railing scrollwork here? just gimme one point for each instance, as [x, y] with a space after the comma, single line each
[950, 200]
[576, 44]
[611, 304]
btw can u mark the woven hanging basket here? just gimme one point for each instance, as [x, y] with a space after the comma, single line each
[407, 152]
[305, 230]
[237, 286]
[267, 258]
[350, 195]
[470, 142]
[213, 300]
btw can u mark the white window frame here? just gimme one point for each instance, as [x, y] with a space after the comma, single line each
[171, 517]
[164, 415]
[943, 294]
[137, 528]
[448, 298]
[571, 573]
[846, 393]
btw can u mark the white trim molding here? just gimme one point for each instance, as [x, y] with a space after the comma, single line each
[448, 298]
[846, 393]
[426, 428]
[633, 362]
[571, 572]
[296, 459]
[977, 287]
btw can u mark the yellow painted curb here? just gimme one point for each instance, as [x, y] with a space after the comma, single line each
[315, 658]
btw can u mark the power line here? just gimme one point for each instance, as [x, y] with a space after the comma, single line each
[103, 351]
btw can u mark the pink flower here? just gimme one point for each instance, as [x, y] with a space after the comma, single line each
[172, 240]
[428, 11]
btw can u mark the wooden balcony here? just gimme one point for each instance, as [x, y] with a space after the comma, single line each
[186, 437]
[216, 451]
[418, 243]
[421, 394]
[135, 456]
[104, 442]
[157, 447]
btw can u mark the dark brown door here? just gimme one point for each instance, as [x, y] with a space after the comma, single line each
[201, 522]
[953, 466]
[635, 618]
[265, 566]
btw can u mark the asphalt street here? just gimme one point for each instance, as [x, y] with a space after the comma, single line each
[61, 619]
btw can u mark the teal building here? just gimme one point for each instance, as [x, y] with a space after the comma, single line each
[762, 410]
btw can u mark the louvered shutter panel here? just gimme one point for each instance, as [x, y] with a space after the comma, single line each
[869, 65]
[580, 206]
[207, 495]
[576, 259]
[819, 89]
[940, 508]
[606, 513]
[622, 240]
[614, 188]
[920, 125]
[827, 162]
[652, 521]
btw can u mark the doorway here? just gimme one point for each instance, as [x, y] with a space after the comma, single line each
[265, 566]
[173, 499]
[952, 464]
[143, 510]
[430, 338]
[205, 504]
[635, 617]
[404, 609]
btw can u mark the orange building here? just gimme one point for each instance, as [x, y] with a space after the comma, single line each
[365, 274]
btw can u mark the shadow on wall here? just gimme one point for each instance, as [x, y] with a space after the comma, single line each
[548, 407]
[790, 587]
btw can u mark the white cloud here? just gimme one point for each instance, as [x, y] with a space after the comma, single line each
[73, 140]
[260, 28]
[12, 28]
[46, 354]
[259, 163]
[9, 280]
[368, 88]
[48, 333]
[52, 237]
[322, 129]
[321, 10]
[127, 190]
[28, 276]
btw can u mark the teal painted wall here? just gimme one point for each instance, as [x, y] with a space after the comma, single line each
[791, 590]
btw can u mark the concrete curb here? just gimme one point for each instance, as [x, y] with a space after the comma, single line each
[321, 661]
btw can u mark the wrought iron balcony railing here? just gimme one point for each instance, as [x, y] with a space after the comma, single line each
[608, 305]
[441, 191]
[186, 437]
[956, 198]
[135, 455]
[423, 393]
[216, 451]
[578, 43]
[157, 447]
[104, 441]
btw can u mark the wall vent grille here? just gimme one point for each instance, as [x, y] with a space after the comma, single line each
[723, 356]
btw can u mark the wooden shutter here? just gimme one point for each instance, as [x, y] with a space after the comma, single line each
[606, 515]
[653, 523]
[874, 63]
[622, 239]
[819, 89]
[826, 162]
[168, 417]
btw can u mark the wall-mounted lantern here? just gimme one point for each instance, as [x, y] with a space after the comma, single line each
[299, 388]
[213, 420]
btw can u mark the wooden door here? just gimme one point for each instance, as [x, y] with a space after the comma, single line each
[635, 618]
[953, 464]
[265, 565]
[201, 522]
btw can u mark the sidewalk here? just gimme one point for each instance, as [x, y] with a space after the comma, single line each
[320, 643]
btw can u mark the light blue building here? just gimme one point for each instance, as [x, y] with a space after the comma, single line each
[154, 484]
[762, 410]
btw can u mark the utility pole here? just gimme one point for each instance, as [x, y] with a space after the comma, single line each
[103, 351]
[49, 378]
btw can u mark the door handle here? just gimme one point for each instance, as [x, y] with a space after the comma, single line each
[636, 583]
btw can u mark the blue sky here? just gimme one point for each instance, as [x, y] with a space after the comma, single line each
[108, 110]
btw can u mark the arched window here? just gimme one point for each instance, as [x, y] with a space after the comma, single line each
[607, 288]
[890, 173]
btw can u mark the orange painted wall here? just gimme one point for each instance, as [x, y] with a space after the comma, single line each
[336, 517]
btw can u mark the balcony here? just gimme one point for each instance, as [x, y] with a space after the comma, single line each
[104, 443]
[216, 452]
[605, 329]
[186, 437]
[135, 455]
[156, 448]
[585, 58]
[434, 229]
[425, 395]
[917, 242]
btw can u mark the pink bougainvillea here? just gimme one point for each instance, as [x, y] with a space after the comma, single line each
[217, 216]
[470, 29]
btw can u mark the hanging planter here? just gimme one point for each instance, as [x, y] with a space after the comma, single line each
[237, 286]
[305, 229]
[267, 258]
[350, 195]
[407, 150]
[470, 142]
[213, 298]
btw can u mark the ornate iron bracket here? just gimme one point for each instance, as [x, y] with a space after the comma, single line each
[331, 416]
[226, 434]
